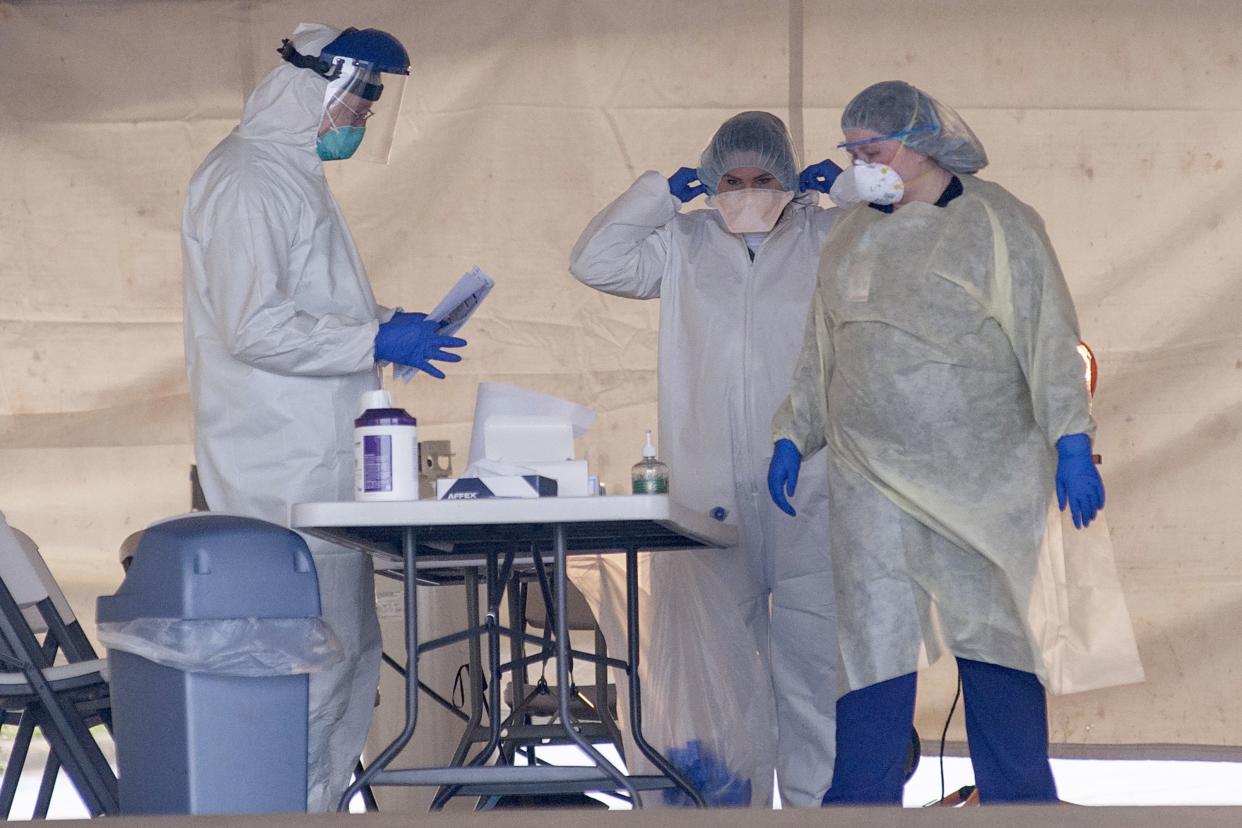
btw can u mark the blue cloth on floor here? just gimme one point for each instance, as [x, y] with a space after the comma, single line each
[709, 774]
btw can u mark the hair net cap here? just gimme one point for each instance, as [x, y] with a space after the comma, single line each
[750, 139]
[310, 38]
[919, 121]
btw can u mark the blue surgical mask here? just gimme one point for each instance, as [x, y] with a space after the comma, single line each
[339, 143]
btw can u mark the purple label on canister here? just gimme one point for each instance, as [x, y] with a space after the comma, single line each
[377, 463]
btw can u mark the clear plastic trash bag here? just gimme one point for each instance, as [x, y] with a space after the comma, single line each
[235, 646]
[706, 697]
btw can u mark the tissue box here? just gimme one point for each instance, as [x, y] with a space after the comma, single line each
[571, 476]
[478, 488]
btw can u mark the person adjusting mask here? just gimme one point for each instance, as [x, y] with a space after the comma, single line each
[283, 335]
[748, 177]
[750, 210]
[734, 283]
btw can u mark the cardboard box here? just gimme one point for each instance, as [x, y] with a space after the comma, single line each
[521, 438]
[478, 488]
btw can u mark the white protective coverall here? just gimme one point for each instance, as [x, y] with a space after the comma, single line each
[939, 368]
[280, 325]
[730, 329]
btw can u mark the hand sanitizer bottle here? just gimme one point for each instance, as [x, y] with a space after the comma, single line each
[650, 476]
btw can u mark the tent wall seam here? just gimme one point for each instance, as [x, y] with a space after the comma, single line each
[797, 65]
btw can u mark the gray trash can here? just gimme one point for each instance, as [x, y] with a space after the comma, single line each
[210, 638]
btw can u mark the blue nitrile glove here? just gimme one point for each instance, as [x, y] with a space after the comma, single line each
[1078, 480]
[819, 176]
[412, 339]
[783, 474]
[680, 181]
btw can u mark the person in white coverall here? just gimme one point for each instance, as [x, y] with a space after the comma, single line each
[283, 335]
[734, 285]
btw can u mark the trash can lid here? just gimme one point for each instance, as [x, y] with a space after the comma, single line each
[206, 566]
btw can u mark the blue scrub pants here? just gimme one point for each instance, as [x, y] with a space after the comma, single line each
[1006, 726]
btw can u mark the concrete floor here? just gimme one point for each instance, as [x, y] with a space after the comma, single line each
[1192, 793]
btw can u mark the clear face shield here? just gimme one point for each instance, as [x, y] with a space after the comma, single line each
[362, 98]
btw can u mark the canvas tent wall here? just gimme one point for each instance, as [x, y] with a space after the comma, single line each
[1118, 121]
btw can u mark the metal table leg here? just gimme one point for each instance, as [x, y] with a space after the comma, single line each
[409, 553]
[495, 588]
[562, 669]
[517, 647]
[491, 623]
[476, 684]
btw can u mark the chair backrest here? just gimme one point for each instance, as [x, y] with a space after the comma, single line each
[27, 576]
[63, 723]
[578, 611]
[35, 591]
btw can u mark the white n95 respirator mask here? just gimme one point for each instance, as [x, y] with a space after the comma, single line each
[750, 210]
[872, 183]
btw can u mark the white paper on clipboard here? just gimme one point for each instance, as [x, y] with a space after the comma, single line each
[457, 306]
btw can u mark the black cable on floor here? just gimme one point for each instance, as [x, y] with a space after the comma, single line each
[945, 733]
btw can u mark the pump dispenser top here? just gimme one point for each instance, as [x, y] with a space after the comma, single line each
[649, 476]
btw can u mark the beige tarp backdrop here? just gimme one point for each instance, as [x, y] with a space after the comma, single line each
[1118, 121]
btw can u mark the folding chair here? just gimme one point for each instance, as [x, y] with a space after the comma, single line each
[63, 700]
[593, 707]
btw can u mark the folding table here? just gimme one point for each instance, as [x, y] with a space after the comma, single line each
[434, 538]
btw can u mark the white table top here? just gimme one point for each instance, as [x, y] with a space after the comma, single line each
[593, 524]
